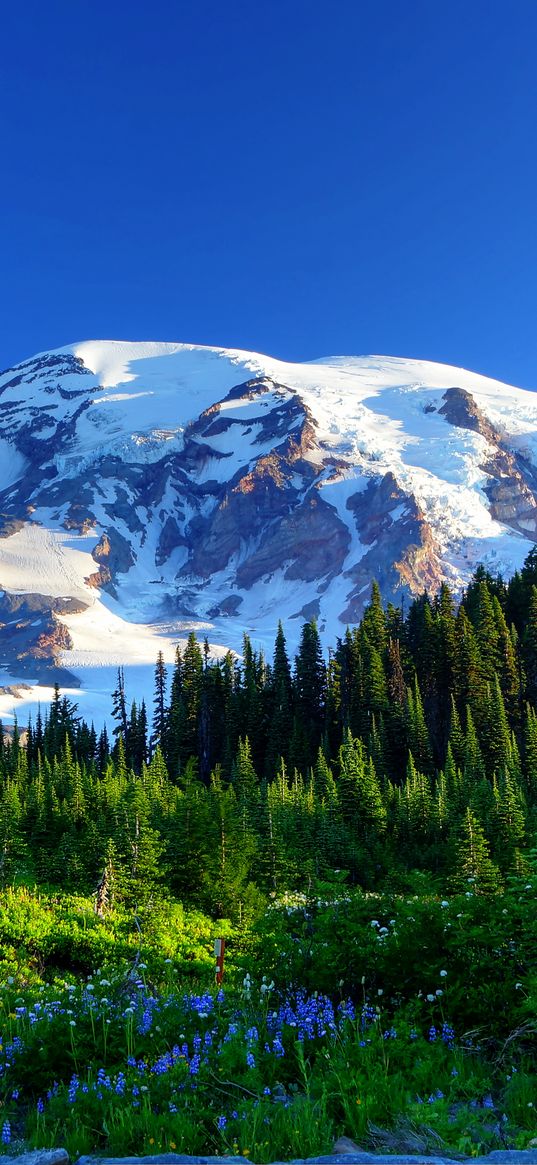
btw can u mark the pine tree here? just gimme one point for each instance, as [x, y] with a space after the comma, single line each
[119, 707]
[243, 775]
[192, 680]
[469, 686]
[529, 647]
[472, 860]
[530, 752]
[374, 621]
[487, 636]
[473, 763]
[496, 735]
[509, 826]
[418, 734]
[361, 801]
[310, 693]
[508, 670]
[159, 702]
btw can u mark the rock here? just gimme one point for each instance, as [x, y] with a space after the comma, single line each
[403, 554]
[40, 1157]
[460, 409]
[162, 1159]
[511, 485]
[508, 1157]
[345, 1145]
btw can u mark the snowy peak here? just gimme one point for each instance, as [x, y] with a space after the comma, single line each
[169, 487]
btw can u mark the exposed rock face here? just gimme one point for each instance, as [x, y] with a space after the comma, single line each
[403, 556]
[310, 543]
[32, 635]
[512, 484]
[460, 409]
[114, 555]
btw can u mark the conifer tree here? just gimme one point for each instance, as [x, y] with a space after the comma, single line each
[310, 693]
[374, 621]
[508, 669]
[529, 642]
[192, 680]
[469, 686]
[530, 752]
[472, 861]
[487, 635]
[418, 734]
[243, 775]
[496, 736]
[159, 702]
[280, 707]
[473, 764]
[119, 707]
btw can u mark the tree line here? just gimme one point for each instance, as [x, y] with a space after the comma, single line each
[411, 747]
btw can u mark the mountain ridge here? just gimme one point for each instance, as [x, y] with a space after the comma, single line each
[162, 488]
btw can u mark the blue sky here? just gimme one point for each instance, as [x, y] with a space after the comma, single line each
[298, 178]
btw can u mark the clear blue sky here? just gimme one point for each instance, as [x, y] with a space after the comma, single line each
[299, 177]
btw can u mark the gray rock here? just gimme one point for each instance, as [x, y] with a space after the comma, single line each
[508, 1157]
[162, 1159]
[40, 1157]
[345, 1145]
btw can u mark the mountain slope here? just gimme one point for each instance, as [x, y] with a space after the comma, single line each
[149, 489]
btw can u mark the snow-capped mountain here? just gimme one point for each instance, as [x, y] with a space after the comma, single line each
[148, 489]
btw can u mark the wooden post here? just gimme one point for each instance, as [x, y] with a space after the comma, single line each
[219, 949]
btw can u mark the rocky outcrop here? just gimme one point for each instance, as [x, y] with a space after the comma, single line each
[512, 485]
[113, 552]
[512, 501]
[461, 409]
[403, 556]
[170, 538]
[256, 501]
[32, 635]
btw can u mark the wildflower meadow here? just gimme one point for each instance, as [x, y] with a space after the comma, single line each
[144, 1054]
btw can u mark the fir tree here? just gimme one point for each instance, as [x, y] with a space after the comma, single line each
[472, 861]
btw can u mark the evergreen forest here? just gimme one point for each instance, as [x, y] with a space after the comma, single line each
[412, 747]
